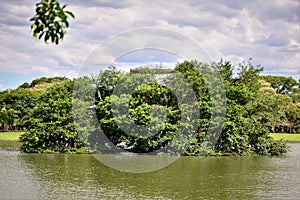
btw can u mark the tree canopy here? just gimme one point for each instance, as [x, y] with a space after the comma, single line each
[282, 84]
[254, 109]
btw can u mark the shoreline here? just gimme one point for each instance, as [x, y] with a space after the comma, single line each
[286, 137]
[9, 140]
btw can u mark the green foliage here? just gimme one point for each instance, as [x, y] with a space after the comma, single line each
[249, 75]
[106, 81]
[8, 119]
[248, 114]
[40, 82]
[44, 80]
[24, 86]
[283, 85]
[245, 130]
[266, 146]
[155, 132]
[50, 126]
[292, 118]
[15, 105]
[280, 105]
[50, 21]
[253, 109]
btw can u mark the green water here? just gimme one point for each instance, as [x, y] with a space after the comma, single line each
[57, 176]
[9, 144]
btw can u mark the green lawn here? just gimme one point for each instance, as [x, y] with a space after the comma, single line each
[286, 137]
[10, 135]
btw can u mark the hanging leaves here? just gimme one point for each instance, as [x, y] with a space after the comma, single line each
[50, 21]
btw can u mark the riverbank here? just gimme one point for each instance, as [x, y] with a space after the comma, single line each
[10, 135]
[9, 140]
[286, 137]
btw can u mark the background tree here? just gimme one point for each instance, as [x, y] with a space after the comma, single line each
[24, 99]
[285, 99]
[106, 81]
[270, 106]
[292, 112]
[8, 119]
[243, 131]
[283, 85]
[21, 101]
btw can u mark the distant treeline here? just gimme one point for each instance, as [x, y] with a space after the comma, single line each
[255, 106]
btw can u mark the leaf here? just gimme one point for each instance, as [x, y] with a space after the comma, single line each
[71, 14]
[47, 37]
[33, 26]
[52, 37]
[67, 24]
[41, 35]
[56, 40]
[63, 7]
[33, 19]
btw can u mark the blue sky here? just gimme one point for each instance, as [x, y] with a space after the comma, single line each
[267, 31]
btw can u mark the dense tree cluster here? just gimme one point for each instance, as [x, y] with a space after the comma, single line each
[16, 104]
[255, 107]
[49, 125]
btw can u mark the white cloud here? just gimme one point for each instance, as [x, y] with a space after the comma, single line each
[232, 30]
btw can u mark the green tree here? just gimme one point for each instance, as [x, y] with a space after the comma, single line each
[50, 126]
[106, 81]
[45, 80]
[292, 113]
[157, 114]
[8, 119]
[280, 111]
[270, 107]
[244, 132]
[283, 85]
[20, 100]
[158, 132]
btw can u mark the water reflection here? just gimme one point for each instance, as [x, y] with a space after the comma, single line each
[57, 176]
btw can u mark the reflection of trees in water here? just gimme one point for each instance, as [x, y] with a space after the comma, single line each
[82, 176]
[74, 176]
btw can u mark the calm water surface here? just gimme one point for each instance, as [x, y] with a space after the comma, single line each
[55, 176]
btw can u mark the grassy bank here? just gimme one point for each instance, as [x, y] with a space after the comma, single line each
[10, 135]
[8, 140]
[286, 137]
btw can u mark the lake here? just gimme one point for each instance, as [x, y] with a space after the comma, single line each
[59, 176]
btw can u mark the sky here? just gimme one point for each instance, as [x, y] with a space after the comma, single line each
[266, 31]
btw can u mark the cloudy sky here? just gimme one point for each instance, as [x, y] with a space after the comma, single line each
[266, 31]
